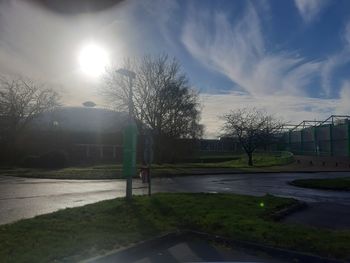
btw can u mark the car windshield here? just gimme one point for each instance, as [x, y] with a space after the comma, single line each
[174, 131]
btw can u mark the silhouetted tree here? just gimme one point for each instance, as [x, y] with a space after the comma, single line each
[252, 128]
[21, 100]
[162, 98]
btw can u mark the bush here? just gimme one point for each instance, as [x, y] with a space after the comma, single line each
[49, 160]
[211, 159]
[53, 159]
[31, 161]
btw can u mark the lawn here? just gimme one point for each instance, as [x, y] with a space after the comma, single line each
[237, 162]
[342, 184]
[73, 234]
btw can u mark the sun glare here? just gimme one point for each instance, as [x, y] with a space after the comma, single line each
[93, 60]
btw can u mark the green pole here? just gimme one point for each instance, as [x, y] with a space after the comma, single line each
[331, 139]
[129, 137]
[129, 155]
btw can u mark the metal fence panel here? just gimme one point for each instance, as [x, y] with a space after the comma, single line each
[325, 140]
[295, 136]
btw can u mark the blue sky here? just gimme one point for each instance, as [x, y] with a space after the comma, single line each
[244, 45]
[290, 57]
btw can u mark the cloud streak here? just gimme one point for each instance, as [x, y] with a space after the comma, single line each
[277, 81]
[239, 52]
[343, 107]
[290, 109]
[335, 61]
[310, 9]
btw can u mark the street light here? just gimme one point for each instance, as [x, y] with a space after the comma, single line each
[129, 137]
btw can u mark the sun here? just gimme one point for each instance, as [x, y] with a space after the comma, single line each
[93, 60]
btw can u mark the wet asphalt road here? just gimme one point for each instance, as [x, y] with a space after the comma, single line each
[25, 198]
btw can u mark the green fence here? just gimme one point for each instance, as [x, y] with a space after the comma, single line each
[325, 140]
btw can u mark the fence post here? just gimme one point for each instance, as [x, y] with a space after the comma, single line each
[315, 140]
[302, 141]
[290, 140]
[331, 139]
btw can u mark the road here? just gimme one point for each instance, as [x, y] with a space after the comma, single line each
[25, 198]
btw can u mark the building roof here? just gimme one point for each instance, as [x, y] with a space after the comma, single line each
[80, 119]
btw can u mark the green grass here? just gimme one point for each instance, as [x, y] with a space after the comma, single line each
[342, 184]
[238, 162]
[73, 234]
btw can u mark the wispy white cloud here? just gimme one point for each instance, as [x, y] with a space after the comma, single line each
[334, 61]
[347, 34]
[239, 52]
[162, 9]
[276, 81]
[310, 9]
[290, 109]
[343, 107]
[163, 12]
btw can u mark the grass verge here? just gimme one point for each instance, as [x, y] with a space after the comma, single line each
[238, 163]
[76, 233]
[342, 184]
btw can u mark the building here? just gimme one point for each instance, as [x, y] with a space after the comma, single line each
[85, 134]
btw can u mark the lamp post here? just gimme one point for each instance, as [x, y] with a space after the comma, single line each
[129, 137]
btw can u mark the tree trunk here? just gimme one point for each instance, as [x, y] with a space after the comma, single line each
[250, 159]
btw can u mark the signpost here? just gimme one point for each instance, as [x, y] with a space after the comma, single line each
[148, 157]
[129, 155]
[129, 137]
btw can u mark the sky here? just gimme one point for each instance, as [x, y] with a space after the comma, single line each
[290, 58]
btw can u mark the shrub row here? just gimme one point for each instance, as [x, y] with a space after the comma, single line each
[49, 160]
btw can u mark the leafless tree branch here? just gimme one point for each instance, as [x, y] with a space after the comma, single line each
[21, 100]
[162, 98]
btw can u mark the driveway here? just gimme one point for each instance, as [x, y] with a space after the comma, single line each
[258, 184]
[25, 198]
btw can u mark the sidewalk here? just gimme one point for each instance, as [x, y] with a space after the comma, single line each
[323, 215]
[189, 246]
[182, 248]
[302, 164]
[291, 168]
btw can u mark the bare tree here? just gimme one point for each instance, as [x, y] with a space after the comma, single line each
[252, 127]
[162, 98]
[21, 100]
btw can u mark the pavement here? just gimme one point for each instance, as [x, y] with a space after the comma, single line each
[185, 248]
[324, 215]
[25, 197]
[192, 246]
